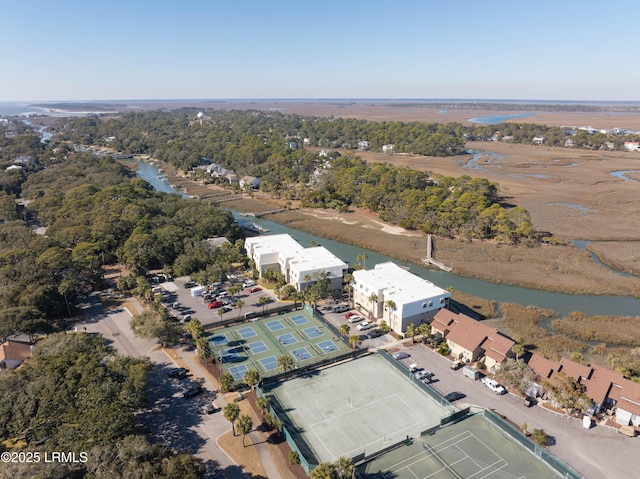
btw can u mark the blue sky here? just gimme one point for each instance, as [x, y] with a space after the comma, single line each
[139, 49]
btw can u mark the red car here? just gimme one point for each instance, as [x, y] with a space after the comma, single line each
[349, 314]
[255, 290]
[214, 304]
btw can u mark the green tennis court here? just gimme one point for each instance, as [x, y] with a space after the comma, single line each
[258, 344]
[470, 449]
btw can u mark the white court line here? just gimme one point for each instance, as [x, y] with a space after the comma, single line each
[453, 442]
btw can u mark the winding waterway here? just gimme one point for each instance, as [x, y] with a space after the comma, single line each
[561, 303]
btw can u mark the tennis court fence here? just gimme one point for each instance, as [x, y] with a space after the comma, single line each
[552, 461]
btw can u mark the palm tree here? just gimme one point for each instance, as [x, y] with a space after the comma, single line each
[373, 299]
[231, 412]
[239, 306]
[353, 340]
[285, 363]
[410, 332]
[344, 467]
[263, 301]
[203, 348]
[348, 279]
[324, 470]
[391, 306]
[425, 330]
[262, 403]
[518, 349]
[362, 259]
[344, 329]
[251, 378]
[245, 424]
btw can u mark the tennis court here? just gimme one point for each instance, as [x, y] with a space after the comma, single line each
[257, 345]
[469, 449]
[360, 406]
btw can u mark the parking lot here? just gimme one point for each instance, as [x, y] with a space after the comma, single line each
[178, 299]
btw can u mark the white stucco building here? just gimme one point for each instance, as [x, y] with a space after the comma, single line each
[416, 300]
[298, 264]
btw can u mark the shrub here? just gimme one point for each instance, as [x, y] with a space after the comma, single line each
[539, 436]
[481, 366]
[294, 458]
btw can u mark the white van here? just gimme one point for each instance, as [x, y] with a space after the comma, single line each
[493, 385]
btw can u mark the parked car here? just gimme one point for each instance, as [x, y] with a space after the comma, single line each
[401, 355]
[376, 333]
[529, 401]
[423, 375]
[456, 365]
[349, 314]
[255, 289]
[356, 318]
[493, 385]
[248, 284]
[193, 392]
[177, 373]
[189, 284]
[364, 325]
[454, 396]
[214, 304]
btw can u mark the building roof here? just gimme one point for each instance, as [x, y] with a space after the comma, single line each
[15, 350]
[575, 370]
[398, 284]
[470, 334]
[316, 258]
[443, 319]
[273, 244]
[542, 366]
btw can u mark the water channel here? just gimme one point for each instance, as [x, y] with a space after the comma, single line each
[561, 303]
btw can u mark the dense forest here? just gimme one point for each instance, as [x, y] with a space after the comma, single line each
[76, 395]
[96, 213]
[259, 144]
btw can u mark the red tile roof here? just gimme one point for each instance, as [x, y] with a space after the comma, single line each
[542, 366]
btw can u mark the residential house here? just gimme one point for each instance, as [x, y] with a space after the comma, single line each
[607, 389]
[13, 353]
[471, 341]
[538, 140]
[632, 145]
[363, 145]
[249, 182]
[387, 148]
[401, 298]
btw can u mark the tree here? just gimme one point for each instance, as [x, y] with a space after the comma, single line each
[344, 467]
[324, 470]
[263, 301]
[518, 349]
[285, 363]
[262, 403]
[424, 329]
[348, 279]
[354, 340]
[245, 425]
[226, 380]
[251, 378]
[540, 437]
[203, 348]
[362, 260]
[239, 306]
[194, 327]
[385, 327]
[231, 412]
[410, 332]
[344, 329]
[373, 299]
[525, 427]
